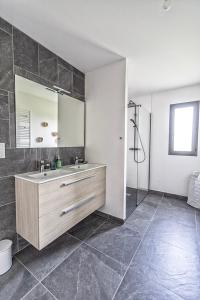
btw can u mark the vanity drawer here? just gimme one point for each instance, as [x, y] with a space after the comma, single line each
[56, 223]
[69, 190]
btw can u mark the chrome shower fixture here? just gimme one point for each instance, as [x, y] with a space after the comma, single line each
[167, 4]
[133, 104]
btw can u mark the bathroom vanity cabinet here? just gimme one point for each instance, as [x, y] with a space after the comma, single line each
[45, 209]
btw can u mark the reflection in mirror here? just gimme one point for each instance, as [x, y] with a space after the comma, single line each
[45, 118]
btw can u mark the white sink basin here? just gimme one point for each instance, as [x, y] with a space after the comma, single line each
[83, 166]
[50, 174]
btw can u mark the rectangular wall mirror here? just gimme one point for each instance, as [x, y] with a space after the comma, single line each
[46, 118]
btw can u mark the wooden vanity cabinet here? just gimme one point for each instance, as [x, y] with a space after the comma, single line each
[44, 211]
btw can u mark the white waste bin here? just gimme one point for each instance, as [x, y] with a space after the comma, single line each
[5, 256]
[194, 190]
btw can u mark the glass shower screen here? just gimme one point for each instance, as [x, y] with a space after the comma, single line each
[138, 156]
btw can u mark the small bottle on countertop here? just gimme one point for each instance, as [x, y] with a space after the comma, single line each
[53, 165]
[58, 162]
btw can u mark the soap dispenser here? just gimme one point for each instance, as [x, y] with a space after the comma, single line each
[58, 162]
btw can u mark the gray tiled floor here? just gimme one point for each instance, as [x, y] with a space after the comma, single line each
[155, 255]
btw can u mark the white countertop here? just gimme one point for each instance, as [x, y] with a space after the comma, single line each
[49, 175]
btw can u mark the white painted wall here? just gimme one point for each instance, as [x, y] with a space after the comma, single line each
[106, 106]
[169, 173]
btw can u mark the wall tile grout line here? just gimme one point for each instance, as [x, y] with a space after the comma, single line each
[143, 236]
[5, 31]
[13, 53]
[9, 118]
[5, 119]
[5, 91]
[6, 176]
[38, 46]
[50, 82]
[7, 204]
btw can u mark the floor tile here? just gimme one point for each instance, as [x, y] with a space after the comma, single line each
[85, 275]
[138, 222]
[141, 194]
[166, 265]
[16, 282]
[147, 209]
[131, 201]
[39, 293]
[117, 241]
[169, 266]
[22, 243]
[140, 219]
[175, 203]
[133, 289]
[178, 215]
[154, 199]
[175, 233]
[41, 263]
[198, 229]
[86, 227]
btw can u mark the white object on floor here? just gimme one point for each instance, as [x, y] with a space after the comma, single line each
[194, 190]
[5, 256]
[2, 150]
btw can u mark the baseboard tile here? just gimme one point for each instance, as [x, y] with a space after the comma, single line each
[109, 217]
[168, 195]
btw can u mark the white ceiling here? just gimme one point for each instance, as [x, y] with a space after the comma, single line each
[163, 48]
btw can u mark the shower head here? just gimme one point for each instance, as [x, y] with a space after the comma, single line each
[131, 104]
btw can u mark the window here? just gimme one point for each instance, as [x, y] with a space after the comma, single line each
[183, 128]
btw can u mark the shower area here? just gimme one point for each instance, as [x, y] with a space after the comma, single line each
[138, 156]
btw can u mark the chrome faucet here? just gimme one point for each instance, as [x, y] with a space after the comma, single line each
[76, 161]
[44, 166]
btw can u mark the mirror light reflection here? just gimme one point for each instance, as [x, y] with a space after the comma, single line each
[45, 118]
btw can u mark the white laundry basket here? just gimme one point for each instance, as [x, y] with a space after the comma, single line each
[194, 190]
[5, 256]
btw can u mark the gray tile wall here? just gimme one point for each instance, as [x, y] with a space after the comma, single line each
[21, 55]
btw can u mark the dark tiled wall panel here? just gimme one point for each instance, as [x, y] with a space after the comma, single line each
[21, 55]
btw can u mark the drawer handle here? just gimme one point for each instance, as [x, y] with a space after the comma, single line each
[75, 181]
[77, 205]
